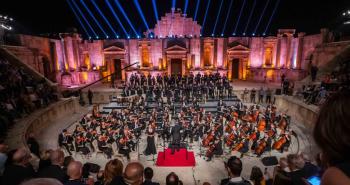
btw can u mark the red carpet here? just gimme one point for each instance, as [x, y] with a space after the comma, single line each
[177, 159]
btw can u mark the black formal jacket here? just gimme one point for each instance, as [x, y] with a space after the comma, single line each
[175, 132]
[53, 171]
[14, 174]
[149, 182]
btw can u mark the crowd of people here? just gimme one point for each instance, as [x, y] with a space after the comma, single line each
[20, 94]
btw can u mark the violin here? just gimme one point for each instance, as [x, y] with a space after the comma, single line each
[261, 147]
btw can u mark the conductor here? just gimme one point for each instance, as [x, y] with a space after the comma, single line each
[176, 137]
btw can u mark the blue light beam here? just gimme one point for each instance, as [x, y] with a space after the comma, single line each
[94, 18]
[186, 6]
[104, 17]
[78, 18]
[141, 13]
[270, 20]
[125, 16]
[205, 16]
[239, 17]
[117, 18]
[196, 11]
[173, 5]
[82, 15]
[155, 9]
[217, 17]
[261, 16]
[249, 18]
[228, 14]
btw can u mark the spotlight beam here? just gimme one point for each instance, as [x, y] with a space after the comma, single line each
[273, 13]
[205, 16]
[261, 16]
[186, 6]
[155, 9]
[78, 18]
[104, 17]
[141, 13]
[117, 18]
[125, 16]
[93, 17]
[217, 17]
[239, 17]
[195, 13]
[250, 17]
[173, 4]
[82, 15]
[228, 14]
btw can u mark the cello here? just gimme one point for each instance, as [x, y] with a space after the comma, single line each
[261, 148]
[278, 144]
[230, 139]
[208, 139]
[262, 125]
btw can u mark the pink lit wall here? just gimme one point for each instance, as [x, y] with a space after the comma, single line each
[156, 52]
[256, 51]
[95, 50]
[195, 50]
[220, 52]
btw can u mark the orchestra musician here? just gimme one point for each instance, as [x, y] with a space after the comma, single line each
[215, 148]
[151, 146]
[66, 140]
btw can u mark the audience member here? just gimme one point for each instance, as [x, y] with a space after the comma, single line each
[74, 171]
[55, 169]
[172, 179]
[333, 140]
[45, 159]
[20, 169]
[33, 145]
[148, 174]
[234, 169]
[257, 176]
[3, 156]
[133, 174]
[42, 181]
[113, 173]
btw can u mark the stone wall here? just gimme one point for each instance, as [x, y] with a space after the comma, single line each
[299, 111]
[40, 120]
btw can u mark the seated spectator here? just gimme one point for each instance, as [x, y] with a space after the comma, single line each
[148, 173]
[55, 169]
[295, 165]
[133, 174]
[67, 160]
[234, 169]
[33, 145]
[257, 176]
[172, 179]
[3, 157]
[42, 181]
[113, 173]
[74, 171]
[331, 133]
[45, 159]
[20, 169]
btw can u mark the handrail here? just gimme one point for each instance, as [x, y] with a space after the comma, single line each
[92, 83]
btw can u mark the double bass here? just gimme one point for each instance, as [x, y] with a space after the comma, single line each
[208, 139]
[278, 144]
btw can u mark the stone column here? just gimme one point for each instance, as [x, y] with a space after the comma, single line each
[289, 51]
[300, 49]
[278, 53]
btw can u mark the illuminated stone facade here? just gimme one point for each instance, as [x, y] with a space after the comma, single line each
[176, 48]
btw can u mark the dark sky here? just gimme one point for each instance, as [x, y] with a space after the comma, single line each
[52, 16]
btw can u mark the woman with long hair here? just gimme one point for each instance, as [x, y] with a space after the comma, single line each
[257, 176]
[113, 172]
[331, 134]
[151, 146]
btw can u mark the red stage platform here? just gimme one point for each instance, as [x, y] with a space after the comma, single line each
[177, 159]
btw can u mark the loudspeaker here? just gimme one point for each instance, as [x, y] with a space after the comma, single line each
[278, 91]
[269, 161]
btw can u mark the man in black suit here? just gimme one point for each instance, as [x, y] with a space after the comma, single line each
[234, 169]
[176, 136]
[55, 169]
[148, 174]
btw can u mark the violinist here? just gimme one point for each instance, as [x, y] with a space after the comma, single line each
[124, 148]
[151, 146]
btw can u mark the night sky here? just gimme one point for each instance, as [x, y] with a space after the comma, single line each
[53, 16]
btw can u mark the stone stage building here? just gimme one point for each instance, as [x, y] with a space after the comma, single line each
[176, 47]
